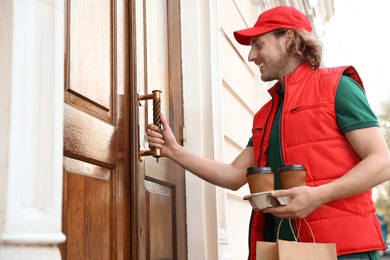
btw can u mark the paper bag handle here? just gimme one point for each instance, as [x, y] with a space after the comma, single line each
[292, 229]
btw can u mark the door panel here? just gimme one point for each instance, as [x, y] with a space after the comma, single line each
[161, 185]
[91, 56]
[96, 191]
[90, 65]
[161, 219]
[88, 211]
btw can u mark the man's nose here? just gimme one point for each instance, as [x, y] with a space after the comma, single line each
[251, 55]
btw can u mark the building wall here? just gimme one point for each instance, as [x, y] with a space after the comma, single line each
[242, 95]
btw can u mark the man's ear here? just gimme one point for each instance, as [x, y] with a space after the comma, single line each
[289, 36]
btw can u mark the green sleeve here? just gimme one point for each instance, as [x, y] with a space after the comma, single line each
[352, 108]
[250, 142]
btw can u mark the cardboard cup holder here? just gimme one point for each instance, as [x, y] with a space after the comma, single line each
[263, 200]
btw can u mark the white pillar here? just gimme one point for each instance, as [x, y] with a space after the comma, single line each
[31, 133]
[206, 203]
[202, 227]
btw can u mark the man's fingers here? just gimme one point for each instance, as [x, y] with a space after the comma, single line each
[153, 134]
[152, 127]
[164, 122]
[280, 193]
[155, 139]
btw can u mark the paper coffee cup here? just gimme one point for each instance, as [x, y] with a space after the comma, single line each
[292, 175]
[260, 179]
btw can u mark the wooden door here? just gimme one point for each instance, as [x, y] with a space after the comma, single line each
[160, 229]
[97, 189]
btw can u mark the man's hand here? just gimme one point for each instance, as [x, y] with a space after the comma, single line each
[303, 201]
[165, 140]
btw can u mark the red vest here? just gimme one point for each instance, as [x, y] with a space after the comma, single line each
[310, 136]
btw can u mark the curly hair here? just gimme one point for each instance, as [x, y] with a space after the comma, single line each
[305, 46]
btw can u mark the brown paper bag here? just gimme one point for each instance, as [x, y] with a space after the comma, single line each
[295, 250]
[266, 251]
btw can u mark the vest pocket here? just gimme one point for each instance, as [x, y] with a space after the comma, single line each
[309, 106]
[257, 132]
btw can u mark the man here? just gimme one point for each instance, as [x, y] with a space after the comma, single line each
[317, 117]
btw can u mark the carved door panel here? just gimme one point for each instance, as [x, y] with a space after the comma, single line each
[97, 188]
[160, 210]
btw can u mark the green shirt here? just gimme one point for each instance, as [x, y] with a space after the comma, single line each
[352, 111]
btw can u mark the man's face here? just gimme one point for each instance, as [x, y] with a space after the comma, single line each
[270, 54]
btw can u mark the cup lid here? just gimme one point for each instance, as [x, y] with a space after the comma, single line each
[291, 167]
[253, 170]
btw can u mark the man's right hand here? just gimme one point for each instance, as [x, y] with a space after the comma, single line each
[165, 141]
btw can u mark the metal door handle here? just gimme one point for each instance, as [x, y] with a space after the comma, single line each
[156, 96]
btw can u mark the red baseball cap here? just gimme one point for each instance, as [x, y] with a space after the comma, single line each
[280, 17]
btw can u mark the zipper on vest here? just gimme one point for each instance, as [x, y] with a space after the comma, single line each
[280, 128]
